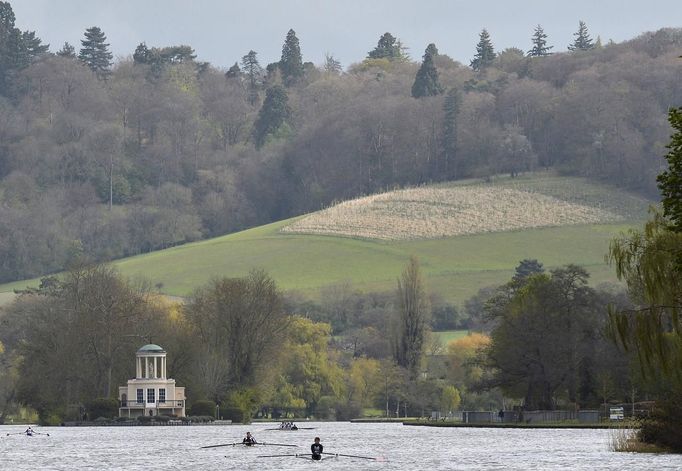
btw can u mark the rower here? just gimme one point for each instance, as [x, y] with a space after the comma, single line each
[29, 431]
[249, 439]
[316, 449]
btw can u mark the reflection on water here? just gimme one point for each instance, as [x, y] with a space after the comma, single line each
[399, 447]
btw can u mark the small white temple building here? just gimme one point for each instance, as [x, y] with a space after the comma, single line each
[151, 392]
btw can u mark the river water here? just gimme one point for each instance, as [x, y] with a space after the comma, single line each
[398, 447]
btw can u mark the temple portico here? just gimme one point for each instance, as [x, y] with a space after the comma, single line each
[151, 392]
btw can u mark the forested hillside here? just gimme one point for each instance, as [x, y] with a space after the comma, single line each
[107, 159]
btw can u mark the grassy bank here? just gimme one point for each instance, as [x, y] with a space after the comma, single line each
[567, 425]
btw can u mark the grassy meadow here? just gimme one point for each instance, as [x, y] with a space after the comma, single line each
[455, 267]
[447, 336]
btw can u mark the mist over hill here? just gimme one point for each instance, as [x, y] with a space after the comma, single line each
[105, 160]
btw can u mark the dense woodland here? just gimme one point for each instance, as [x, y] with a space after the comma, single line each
[103, 159]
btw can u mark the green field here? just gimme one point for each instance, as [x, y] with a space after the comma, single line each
[447, 336]
[454, 267]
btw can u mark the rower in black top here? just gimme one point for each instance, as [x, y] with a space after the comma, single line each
[316, 448]
[249, 439]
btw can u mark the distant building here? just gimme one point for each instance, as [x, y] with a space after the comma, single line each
[151, 392]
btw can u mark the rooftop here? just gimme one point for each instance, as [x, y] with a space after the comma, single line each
[151, 347]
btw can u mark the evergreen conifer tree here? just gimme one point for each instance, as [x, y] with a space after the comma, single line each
[67, 51]
[540, 47]
[432, 49]
[582, 41]
[291, 63]
[254, 75]
[426, 82]
[485, 53]
[449, 143]
[17, 49]
[273, 114]
[33, 45]
[95, 52]
[233, 72]
[670, 181]
[388, 47]
[141, 54]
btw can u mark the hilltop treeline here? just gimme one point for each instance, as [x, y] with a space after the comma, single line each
[106, 160]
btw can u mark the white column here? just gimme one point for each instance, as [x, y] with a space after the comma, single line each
[137, 368]
[165, 373]
[146, 367]
[155, 370]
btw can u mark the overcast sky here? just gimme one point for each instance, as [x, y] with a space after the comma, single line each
[222, 31]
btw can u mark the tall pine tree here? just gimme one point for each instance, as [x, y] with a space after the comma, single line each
[95, 52]
[582, 41]
[273, 114]
[540, 47]
[485, 53]
[291, 63]
[233, 72]
[426, 82]
[388, 47]
[254, 75]
[448, 167]
[17, 49]
[67, 51]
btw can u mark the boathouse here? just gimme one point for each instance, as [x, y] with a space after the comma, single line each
[151, 392]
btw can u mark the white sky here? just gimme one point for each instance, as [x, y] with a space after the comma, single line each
[222, 31]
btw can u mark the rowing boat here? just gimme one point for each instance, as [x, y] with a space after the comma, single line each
[248, 444]
[291, 429]
[329, 456]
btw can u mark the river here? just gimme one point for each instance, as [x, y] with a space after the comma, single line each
[398, 447]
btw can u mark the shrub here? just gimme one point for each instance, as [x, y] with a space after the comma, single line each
[235, 414]
[203, 407]
[663, 428]
[325, 408]
[347, 411]
[145, 419]
[103, 407]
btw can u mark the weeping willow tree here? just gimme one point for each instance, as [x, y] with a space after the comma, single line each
[650, 262]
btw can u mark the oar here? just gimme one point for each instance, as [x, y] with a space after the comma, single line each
[276, 456]
[17, 433]
[350, 456]
[41, 433]
[275, 444]
[222, 444]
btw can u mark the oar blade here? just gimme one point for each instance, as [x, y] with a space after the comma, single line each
[277, 444]
[222, 444]
[351, 456]
[276, 456]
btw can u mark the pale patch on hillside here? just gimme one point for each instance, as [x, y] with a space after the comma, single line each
[436, 212]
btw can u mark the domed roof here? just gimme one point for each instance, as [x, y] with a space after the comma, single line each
[151, 347]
